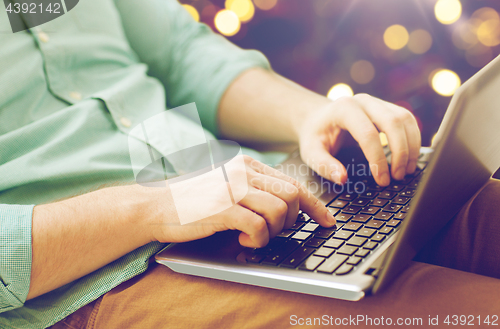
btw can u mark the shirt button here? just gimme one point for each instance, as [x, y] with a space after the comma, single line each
[43, 37]
[125, 122]
[75, 95]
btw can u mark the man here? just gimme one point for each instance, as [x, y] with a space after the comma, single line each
[74, 88]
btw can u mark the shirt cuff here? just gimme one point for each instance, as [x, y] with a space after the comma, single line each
[15, 253]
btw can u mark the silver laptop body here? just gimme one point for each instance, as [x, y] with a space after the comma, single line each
[465, 158]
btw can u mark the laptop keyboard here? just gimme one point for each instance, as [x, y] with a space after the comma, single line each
[365, 219]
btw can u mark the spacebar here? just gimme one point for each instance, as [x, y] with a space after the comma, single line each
[332, 263]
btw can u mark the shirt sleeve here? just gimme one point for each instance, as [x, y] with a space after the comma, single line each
[193, 63]
[15, 253]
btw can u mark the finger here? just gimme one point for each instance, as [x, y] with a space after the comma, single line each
[307, 202]
[273, 209]
[316, 156]
[353, 119]
[283, 191]
[253, 227]
[391, 122]
[414, 142]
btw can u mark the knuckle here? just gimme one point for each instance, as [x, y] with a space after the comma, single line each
[259, 224]
[281, 208]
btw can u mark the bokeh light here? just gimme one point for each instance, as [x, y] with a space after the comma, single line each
[448, 11]
[227, 22]
[488, 33]
[464, 37]
[339, 90]
[362, 72]
[396, 37]
[265, 4]
[445, 82]
[420, 41]
[244, 9]
[192, 11]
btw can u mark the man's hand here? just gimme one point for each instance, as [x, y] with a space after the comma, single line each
[271, 204]
[363, 116]
[260, 106]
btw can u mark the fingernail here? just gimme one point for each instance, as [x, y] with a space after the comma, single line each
[385, 179]
[330, 219]
[400, 173]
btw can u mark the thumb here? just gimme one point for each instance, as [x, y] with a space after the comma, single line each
[321, 161]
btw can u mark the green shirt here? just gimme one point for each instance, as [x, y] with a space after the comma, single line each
[70, 91]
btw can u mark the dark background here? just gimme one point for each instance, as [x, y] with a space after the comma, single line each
[315, 43]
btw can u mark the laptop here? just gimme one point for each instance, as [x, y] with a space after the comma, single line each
[379, 229]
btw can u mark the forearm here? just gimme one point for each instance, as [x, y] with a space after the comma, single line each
[77, 236]
[261, 106]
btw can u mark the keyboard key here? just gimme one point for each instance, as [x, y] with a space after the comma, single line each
[273, 244]
[334, 211]
[370, 210]
[354, 260]
[379, 202]
[302, 217]
[366, 232]
[369, 194]
[301, 236]
[348, 196]
[384, 215]
[362, 252]
[344, 269]
[339, 203]
[360, 202]
[285, 234]
[347, 250]
[296, 226]
[324, 252]
[352, 210]
[393, 222]
[378, 237]
[406, 208]
[408, 192]
[324, 233]
[387, 195]
[343, 218]
[371, 245]
[395, 187]
[278, 256]
[375, 224]
[310, 227]
[386, 230]
[356, 241]
[375, 187]
[297, 257]
[361, 218]
[400, 200]
[352, 226]
[311, 263]
[333, 243]
[255, 258]
[392, 208]
[342, 234]
[332, 263]
[400, 215]
[315, 243]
